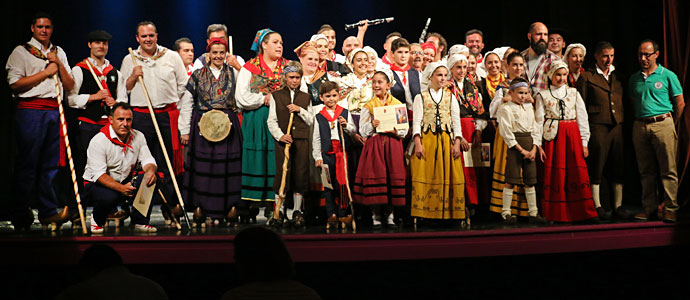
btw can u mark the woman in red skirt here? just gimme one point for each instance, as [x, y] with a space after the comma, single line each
[563, 116]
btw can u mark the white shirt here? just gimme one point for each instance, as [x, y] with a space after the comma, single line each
[246, 100]
[22, 64]
[350, 129]
[166, 81]
[105, 157]
[436, 96]
[513, 117]
[339, 58]
[576, 110]
[272, 120]
[532, 64]
[366, 129]
[600, 71]
[498, 100]
[80, 100]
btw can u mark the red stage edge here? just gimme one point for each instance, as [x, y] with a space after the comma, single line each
[348, 247]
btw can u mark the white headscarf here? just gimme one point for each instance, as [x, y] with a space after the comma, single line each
[351, 57]
[457, 49]
[555, 66]
[317, 37]
[576, 45]
[388, 73]
[454, 59]
[431, 68]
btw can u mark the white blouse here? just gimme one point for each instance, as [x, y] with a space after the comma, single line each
[547, 107]
[436, 96]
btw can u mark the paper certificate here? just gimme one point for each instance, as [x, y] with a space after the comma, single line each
[391, 116]
[477, 157]
[143, 199]
[326, 177]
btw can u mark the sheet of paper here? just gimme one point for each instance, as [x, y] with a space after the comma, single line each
[143, 199]
[391, 116]
[326, 177]
[478, 157]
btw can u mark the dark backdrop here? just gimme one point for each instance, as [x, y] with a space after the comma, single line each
[503, 23]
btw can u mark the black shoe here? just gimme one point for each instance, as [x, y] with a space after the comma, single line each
[298, 219]
[23, 220]
[623, 214]
[604, 214]
[510, 220]
[538, 220]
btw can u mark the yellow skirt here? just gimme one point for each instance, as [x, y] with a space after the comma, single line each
[438, 183]
[519, 203]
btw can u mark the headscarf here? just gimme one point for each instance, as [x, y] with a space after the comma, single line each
[256, 44]
[429, 45]
[576, 45]
[317, 37]
[305, 47]
[431, 68]
[388, 73]
[555, 66]
[351, 57]
[216, 41]
[454, 59]
[457, 49]
[370, 50]
[500, 58]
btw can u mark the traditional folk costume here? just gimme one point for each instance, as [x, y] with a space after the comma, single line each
[254, 82]
[574, 75]
[212, 180]
[297, 176]
[165, 78]
[567, 191]
[40, 147]
[327, 145]
[108, 155]
[380, 178]
[472, 118]
[518, 126]
[92, 115]
[519, 205]
[438, 183]
[407, 84]
[536, 69]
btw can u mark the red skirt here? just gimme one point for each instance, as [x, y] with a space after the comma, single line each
[567, 192]
[381, 173]
[471, 190]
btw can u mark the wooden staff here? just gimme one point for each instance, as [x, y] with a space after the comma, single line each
[98, 82]
[347, 179]
[160, 140]
[230, 44]
[286, 158]
[63, 127]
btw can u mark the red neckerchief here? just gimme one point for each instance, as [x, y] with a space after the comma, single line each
[338, 111]
[116, 141]
[84, 64]
[385, 60]
[331, 55]
[571, 77]
[404, 70]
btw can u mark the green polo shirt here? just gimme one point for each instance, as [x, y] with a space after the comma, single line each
[652, 96]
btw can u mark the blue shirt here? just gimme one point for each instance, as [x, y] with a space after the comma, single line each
[652, 95]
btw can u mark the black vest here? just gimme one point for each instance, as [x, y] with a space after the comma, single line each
[398, 91]
[94, 110]
[325, 132]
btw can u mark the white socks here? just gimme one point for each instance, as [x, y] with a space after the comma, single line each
[617, 195]
[507, 200]
[297, 197]
[595, 195]
[531, 196]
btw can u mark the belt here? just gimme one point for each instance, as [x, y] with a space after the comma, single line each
[655, 119]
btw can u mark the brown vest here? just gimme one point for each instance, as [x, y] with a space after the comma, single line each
[604, 99]
[299, 130]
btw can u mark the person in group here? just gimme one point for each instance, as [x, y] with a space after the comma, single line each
[438, 183]
[356, 89]
[504, 58]
[93, 103]
[380, 179]
[40, 149]
[574, 56]
[416, 57]
[258, 78]
[472, 69]
[440, 42]
[537, 57]
[185, 48]
[474, 40]
[312, 58]
[112, 155]
[285, 103]
[494, 75]
[562, 114]
[219, 31]
[429, 51]
[172, 104]
[350, 43]
[326, 65]
[212, 180]
[601, 88]
[256, 250]
[556, 42]
[407, 85]
[328, 31]
[375, 64]
[519, 204]
[521, 133]
[388, 56]
[472, 118]
[329, 148]
[658, 104]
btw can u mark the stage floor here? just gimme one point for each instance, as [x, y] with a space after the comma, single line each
[316, 244]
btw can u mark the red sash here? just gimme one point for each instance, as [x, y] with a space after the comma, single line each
[178, 149]
[102, 121]
[337, 149]
[38, 103]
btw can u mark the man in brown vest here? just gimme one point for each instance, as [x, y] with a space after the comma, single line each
[285, 102]
[602, 90]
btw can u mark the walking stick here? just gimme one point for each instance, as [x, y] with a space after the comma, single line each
[160, 140]
[286, 158]
[63, 127]
[347, 178]
[98, 82]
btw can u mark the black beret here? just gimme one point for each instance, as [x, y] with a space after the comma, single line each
[99, 35]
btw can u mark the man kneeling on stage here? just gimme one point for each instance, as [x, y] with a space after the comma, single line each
[111, 156]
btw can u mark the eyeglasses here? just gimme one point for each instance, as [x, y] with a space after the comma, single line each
[646, 55]
[417, 52]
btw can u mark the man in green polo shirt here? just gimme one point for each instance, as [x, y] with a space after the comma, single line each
[657, 101]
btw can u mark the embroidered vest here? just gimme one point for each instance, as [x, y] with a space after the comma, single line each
[436, 116]
[300, 130]
[560, 109]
